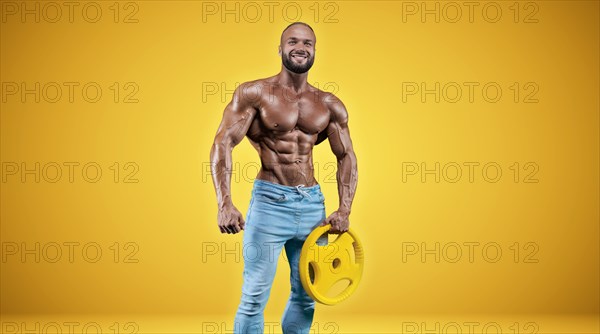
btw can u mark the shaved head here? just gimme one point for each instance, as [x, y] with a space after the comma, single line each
[293, 24]
[297, 47]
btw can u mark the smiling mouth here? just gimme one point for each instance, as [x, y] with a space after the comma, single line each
[299, 56]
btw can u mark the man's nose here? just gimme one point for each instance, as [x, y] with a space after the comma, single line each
[301, 49]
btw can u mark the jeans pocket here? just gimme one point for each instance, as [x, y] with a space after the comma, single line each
[249, 212]
[320, 197]
[270, 196]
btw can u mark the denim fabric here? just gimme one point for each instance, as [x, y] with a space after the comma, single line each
[278, 217]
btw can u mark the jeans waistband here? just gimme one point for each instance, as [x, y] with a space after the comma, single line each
[302, 189]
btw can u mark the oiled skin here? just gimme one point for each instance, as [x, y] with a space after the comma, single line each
[284, 117]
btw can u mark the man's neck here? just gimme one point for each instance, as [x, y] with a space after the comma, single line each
[295, 81]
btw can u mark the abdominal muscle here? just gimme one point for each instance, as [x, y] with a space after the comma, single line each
[287, 159]
[288, 174]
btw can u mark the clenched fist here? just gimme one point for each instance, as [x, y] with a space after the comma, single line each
[230, 219]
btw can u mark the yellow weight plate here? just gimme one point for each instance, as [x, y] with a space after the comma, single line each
[338, 260]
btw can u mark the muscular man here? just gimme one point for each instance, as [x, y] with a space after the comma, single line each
[283, 117]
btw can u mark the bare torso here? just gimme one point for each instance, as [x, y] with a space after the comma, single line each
[285, 129]
[284, 117]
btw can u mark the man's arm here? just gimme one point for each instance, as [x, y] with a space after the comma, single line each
[237, 117]
[347, 169]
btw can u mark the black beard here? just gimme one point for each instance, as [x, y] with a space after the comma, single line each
[296, 68]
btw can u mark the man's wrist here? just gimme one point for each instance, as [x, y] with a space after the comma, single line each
[344, 210]
[225, 204]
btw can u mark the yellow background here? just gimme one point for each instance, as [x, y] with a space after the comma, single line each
[173, 57]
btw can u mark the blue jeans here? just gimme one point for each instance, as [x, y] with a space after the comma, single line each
[278, 216]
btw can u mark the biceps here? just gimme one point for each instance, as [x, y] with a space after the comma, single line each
[235, 124]
[339, 139]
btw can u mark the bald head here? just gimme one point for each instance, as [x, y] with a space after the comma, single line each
[297, 47]
[298, 24]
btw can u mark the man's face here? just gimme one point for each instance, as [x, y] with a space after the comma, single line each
[297, 49]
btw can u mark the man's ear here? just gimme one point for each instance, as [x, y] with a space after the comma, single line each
[279, 51]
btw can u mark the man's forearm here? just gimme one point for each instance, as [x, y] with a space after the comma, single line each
[220, 164]
[347, 179]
